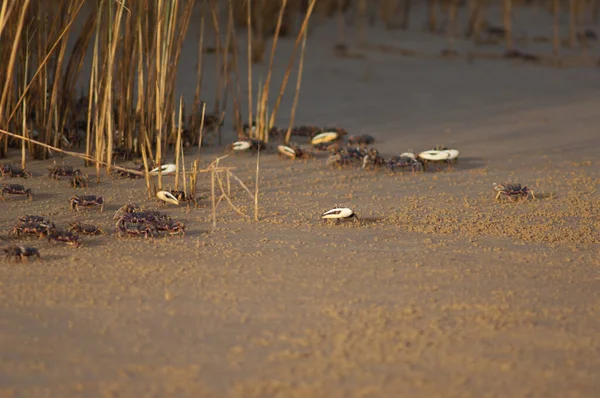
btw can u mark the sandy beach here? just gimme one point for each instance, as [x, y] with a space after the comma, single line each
[437, 291]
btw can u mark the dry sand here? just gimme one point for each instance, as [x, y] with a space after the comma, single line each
[439, 291]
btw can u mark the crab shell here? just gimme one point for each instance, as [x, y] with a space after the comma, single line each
[287, 151]
[325, 137]
[338, 213]
[167, 197]
[165, 169]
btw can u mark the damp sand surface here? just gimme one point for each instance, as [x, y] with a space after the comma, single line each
[438, 291]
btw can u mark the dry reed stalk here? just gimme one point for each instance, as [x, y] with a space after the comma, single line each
[59, 150]
[42, 65]
[5, 12]
[107, 102]
[178, 143]
[452, 25]
[193, 181]
[555, 27]
[146, 171]
[11, 63]
[572, 22]
[288, 134]
[341, 21]
[303, 28]
[218, 53]
[507, 24]
[431, 6]
[261, 127]
[212, 195]
[236, 98]
[195, 110]
[201, 134]
[362, 23]
[24, 115]
[183, 177]
[256, 189]
[249, 23]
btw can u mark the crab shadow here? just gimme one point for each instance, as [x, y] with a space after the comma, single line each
[363, 221]
[545, 196]
[463, 163]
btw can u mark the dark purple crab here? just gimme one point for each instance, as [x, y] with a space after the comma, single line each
[180, 195]
[63, 170]
[87, 201]
[405, 163]
[85, 229]
[361, 140]
[373, 159]
[171, 227]
[13, 170]
[146, 230]
[62, 236]
[78, 180]
[15, 189]
[513, 191]
[40, 228]
[20, 253]
[340, 159]
[28, 218]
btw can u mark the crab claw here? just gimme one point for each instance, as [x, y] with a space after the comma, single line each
[165, 168]
[241, 145]
[287, 151]
[167, 197]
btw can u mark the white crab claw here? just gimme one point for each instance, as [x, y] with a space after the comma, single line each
[165, 168]
[241, 145]
[287, 151]
[434, 155]
[324, 138]
[167, 197]
[338, 213]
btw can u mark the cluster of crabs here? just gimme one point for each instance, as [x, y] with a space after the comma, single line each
[43, 228]
[354, 151]
[132, 220]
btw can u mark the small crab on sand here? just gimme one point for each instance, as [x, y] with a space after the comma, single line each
[513, 191]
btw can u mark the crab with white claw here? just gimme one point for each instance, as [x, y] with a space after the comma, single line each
[294, 152]
[20, 253]
[86, 201]
[513, 191]
[15, 189]
[436, 156]
[247, 145]
[339, 214]
[327, 137]
[166, 169]
[167, 197]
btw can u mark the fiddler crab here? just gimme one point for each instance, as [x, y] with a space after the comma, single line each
[513, 191]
